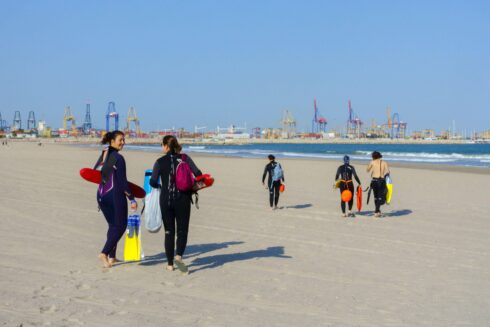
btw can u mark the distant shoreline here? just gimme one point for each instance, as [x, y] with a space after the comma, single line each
[185, 141]
[409, 165]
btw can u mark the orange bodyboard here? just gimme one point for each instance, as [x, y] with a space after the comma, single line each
[359, 198]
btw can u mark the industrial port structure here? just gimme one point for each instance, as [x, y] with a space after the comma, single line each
[392, 128]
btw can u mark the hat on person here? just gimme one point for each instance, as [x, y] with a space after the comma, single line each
[346, 159]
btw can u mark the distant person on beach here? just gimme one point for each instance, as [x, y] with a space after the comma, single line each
[379, 170]
[174, 204]
[345, 173]
[112, 193]
[274, 181]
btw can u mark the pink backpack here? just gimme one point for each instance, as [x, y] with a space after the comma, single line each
[184, 178]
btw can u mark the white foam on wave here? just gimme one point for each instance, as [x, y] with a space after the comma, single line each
[432, 155]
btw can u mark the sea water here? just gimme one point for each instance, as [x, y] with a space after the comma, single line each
[471, 155]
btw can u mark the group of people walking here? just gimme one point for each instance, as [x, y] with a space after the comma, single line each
[345, 174]
[114, 192]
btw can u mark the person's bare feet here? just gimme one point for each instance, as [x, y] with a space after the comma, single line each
[181, 265]
[169, 268]
[105, 260]
[114, 260]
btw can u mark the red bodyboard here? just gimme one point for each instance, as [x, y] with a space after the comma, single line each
[203, 181]
[359, 198]
[93, 175]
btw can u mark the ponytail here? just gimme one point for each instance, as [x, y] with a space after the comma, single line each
[110, 136]
[172, 143]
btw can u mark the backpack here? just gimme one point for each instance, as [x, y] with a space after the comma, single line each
[184, 178]
[277, 172]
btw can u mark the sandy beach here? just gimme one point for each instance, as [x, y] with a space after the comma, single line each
[426, 263]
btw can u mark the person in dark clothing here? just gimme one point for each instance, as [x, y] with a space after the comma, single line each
[345, 173]
[174, 204]
[273, 182]
[112, 193]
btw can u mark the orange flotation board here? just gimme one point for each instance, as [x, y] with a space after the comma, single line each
[359, 198]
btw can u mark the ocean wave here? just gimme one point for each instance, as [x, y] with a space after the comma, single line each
[431, 155]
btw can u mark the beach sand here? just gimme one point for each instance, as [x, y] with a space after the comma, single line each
[427, 263]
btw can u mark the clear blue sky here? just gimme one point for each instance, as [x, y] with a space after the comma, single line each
[208, 63]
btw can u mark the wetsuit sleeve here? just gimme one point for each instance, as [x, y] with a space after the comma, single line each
[355, 176]
[265, 173]
[193, 166]
[154, 175]
[123, 179]
[337, 175]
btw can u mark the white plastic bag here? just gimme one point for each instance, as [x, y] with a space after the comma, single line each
[153, 214]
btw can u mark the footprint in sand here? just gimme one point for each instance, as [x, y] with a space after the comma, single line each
[39, 293]
[119, 301]
[166, 283]
[48, 309]
[75, 272]
[82, 287]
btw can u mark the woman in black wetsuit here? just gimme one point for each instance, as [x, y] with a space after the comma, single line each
[345, 172]
[112, 193]
[174, 204]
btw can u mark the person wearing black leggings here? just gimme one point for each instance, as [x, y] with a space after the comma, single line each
[272, 185]
[174, 204]
[345, 173]
[112, 193]
[379, 170]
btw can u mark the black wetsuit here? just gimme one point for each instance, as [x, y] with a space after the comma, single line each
[272, 185]
[174, 204]
[111, 197]
[345, 172]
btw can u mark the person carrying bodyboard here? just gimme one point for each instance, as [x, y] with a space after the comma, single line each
[343, 179]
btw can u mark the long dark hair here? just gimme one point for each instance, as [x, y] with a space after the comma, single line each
[110, 136]
[172, 143]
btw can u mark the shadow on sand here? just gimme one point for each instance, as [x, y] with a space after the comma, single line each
[398, 213]
[388, 214]
[299, 206]
[190, 251]
[220, 259]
